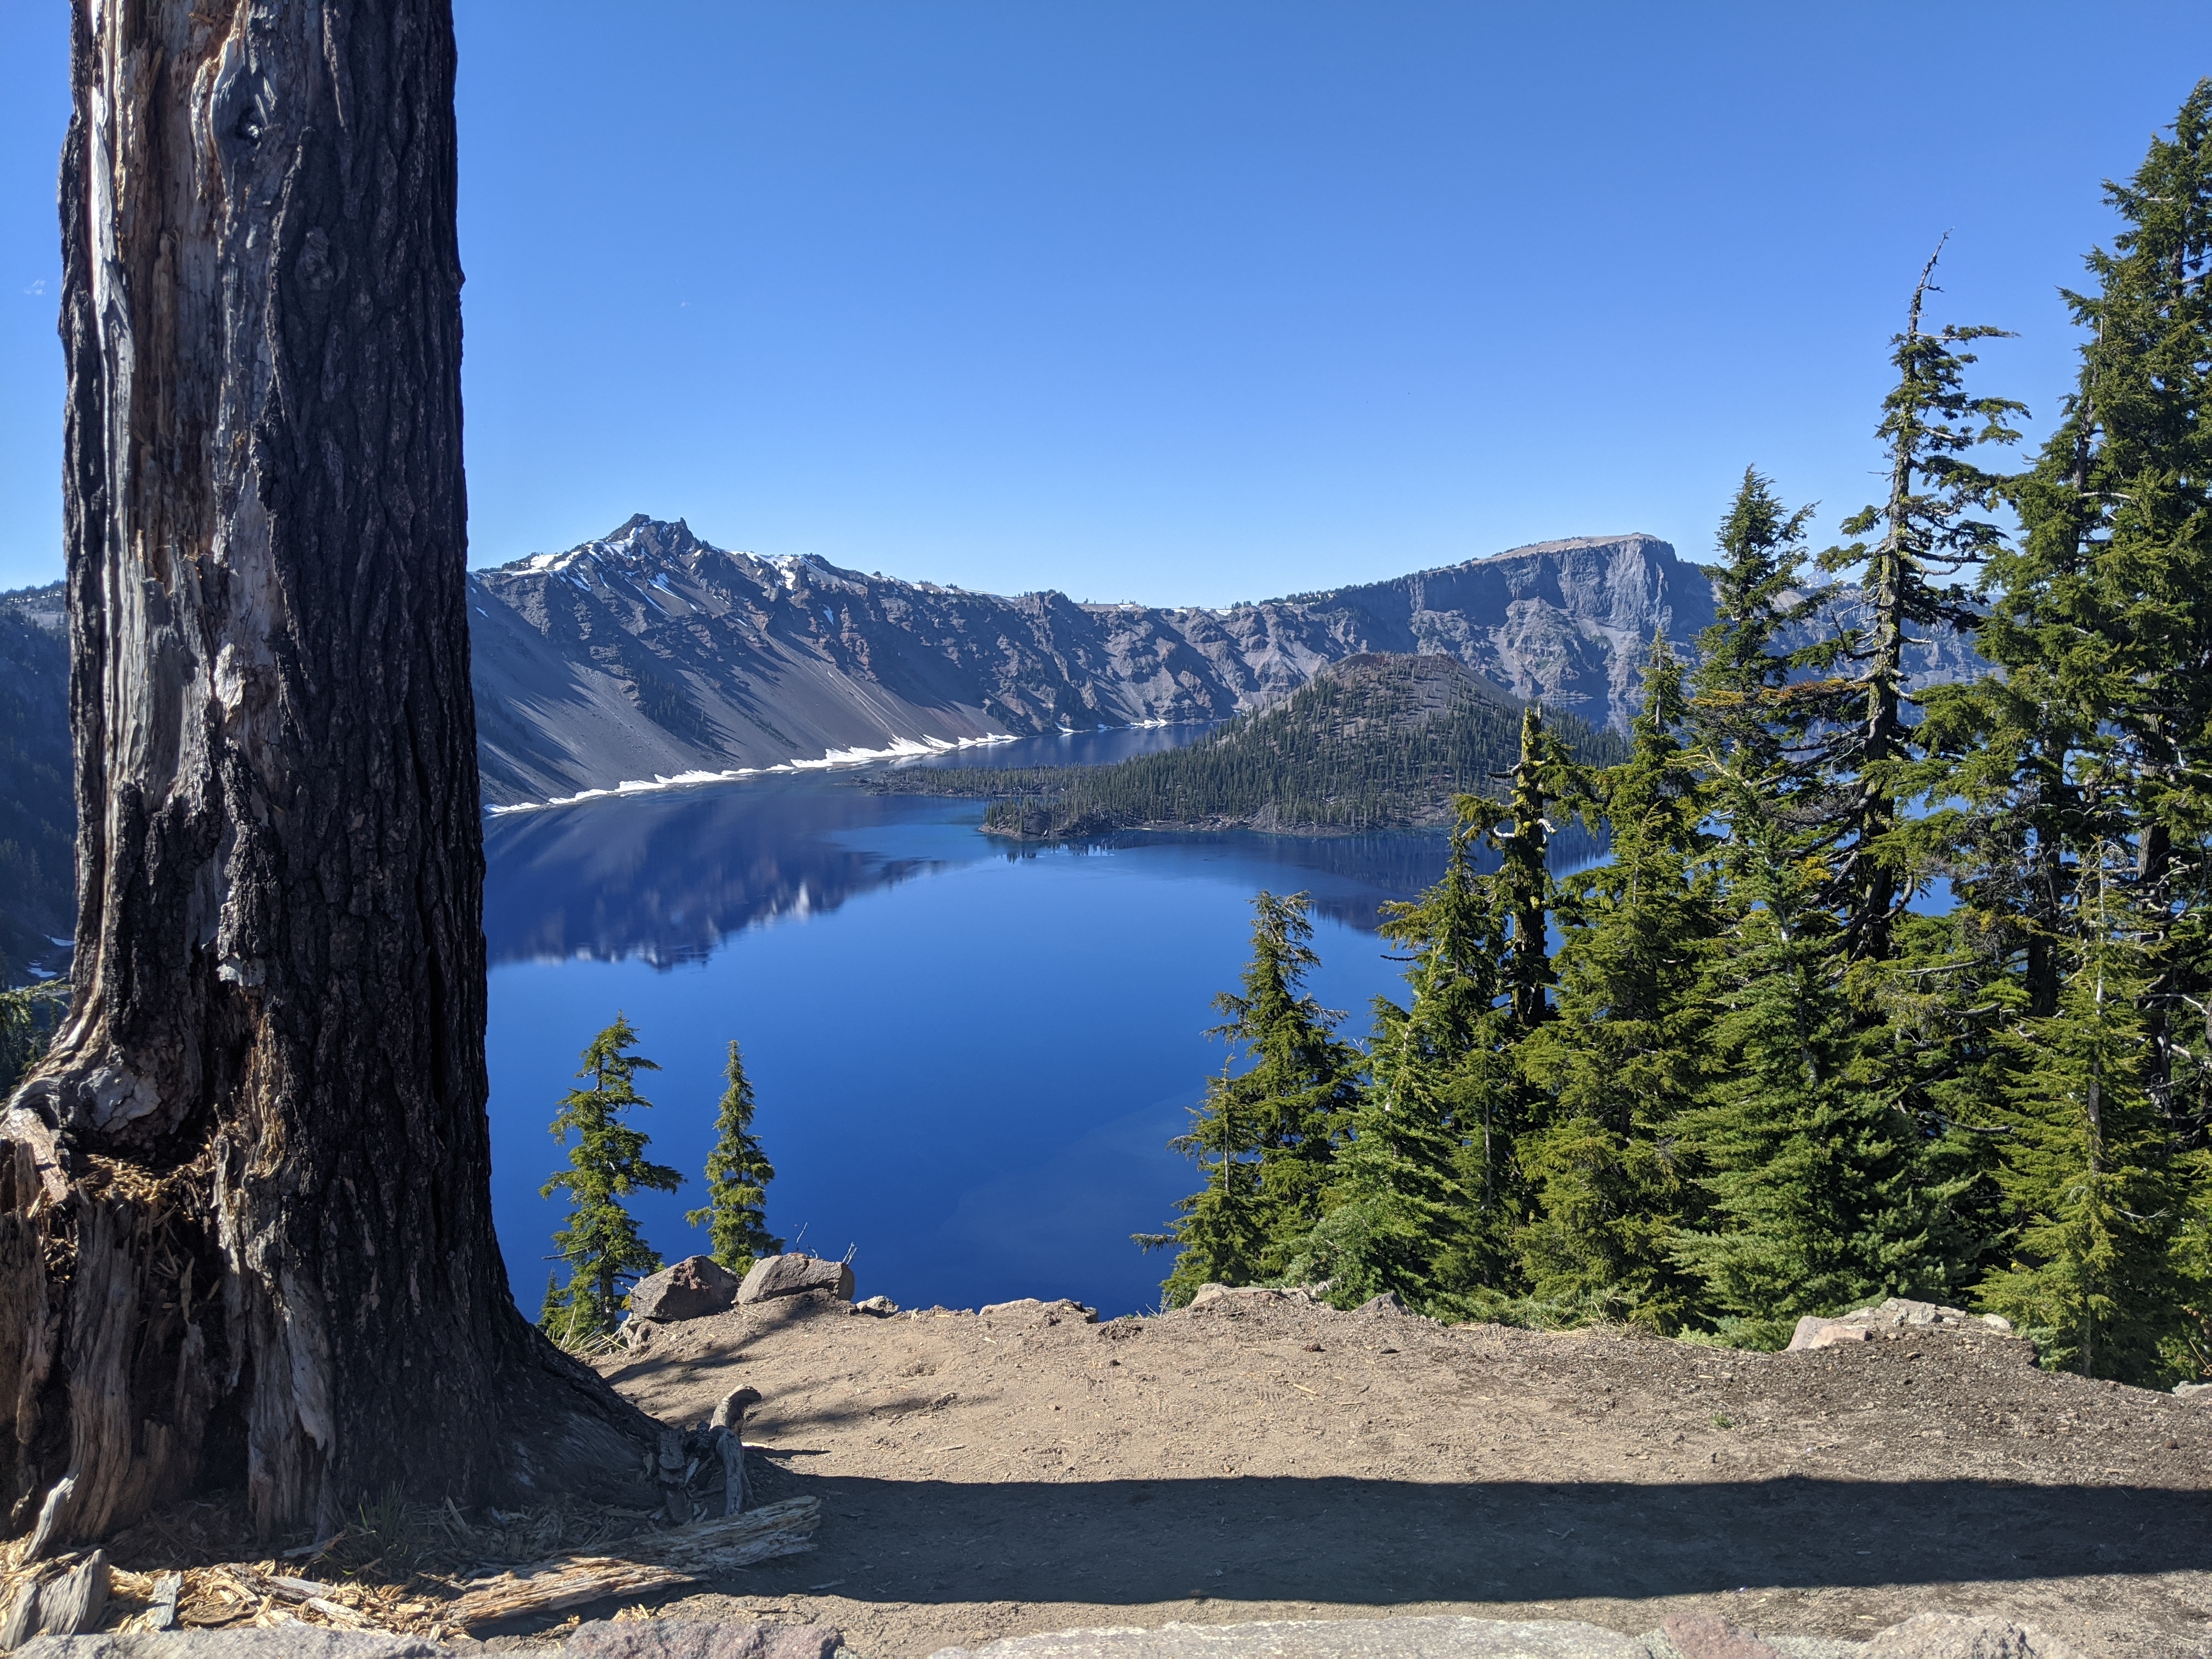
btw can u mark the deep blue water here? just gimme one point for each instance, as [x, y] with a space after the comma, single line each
[968, 1063]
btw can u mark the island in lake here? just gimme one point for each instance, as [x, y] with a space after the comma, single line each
[1376, 742]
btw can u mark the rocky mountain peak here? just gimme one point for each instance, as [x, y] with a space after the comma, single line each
[639, 537]
[649, 653]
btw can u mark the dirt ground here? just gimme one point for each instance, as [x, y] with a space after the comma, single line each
[989, 1475]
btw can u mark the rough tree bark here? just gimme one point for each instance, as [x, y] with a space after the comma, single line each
[246, 1234]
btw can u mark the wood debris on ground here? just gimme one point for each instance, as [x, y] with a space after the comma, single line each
[410, 1570]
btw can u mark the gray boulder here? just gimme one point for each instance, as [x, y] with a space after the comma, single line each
[698, 1639]
[882, 1307]
[1815, 1332]
[692, 1289]
[1967, 1636]
[1708, 1635]
[773, 1276]
[1029, 1309]
[1897, 1315]
[1324, 1638]
[1210, 1293]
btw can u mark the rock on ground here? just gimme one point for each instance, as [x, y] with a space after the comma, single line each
[699, 1638]
[1897, 1313]
[692, 1289]
[775, 1276]
[1707, 1636]
[1966, 1636]
[1324, 1638]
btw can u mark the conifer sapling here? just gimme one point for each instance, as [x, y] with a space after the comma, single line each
[738, 1174]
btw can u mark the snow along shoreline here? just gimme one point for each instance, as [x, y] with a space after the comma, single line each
[901, 749]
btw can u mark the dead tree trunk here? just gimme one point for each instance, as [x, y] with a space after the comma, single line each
[245, 1233]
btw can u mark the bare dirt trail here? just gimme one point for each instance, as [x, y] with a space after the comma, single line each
[986, 1476]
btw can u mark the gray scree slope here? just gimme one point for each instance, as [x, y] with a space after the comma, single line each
[650, 653]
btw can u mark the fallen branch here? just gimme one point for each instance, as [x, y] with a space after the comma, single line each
[555, 1585]
[649, 1561]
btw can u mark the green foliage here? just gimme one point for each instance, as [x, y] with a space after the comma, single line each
[2094, 1274]
[1620, 1065]
[1424, 1191]
[1928, 536]
[27, 1017]
[38, 806]
[1817, 1196]
[599, 1240]
[738, 1174]
[1728, 1076]
[1265, 1137]
[1374, 743]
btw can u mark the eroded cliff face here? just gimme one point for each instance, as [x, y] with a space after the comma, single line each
[650, 653]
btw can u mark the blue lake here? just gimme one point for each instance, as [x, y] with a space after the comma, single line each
[969, 1062]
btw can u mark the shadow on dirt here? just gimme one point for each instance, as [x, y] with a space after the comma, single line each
[1380, 1541]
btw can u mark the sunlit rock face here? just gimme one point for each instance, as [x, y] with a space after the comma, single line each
[650, 654]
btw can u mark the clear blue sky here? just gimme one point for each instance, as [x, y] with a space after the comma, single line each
[1196, 301]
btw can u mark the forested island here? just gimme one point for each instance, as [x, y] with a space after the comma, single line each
[1377, 742]
[1876, 995]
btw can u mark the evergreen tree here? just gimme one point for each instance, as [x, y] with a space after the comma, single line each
[738, 1174]
[1623, 1061]
[599, 1239]
[1272, 1130]
[2111, 596]
[1817, 1195]
[28, 1015]
[1812, 1174]
[2082, 768]
[1425, 1192]
[1927, 538]
[2093, 1276]
[1743, 709]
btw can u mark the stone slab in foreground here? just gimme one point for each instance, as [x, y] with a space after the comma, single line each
[694, 1288]
[1443, 1638]
[1929, 1636]
[773, 1276]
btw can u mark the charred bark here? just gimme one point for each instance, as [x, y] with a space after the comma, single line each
[246, 1232]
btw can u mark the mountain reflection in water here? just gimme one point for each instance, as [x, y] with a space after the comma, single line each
[666, 877]
[971, 1058]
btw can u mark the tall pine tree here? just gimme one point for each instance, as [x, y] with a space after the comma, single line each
[2111, 594]
[1424, 1193]
[1910, 582]
[1623, 1061]
[1271, 1131]
[599, 1239]
[1812, 1179]
[2092, 1274]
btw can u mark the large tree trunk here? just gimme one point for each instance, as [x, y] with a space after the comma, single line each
[245, 1233]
